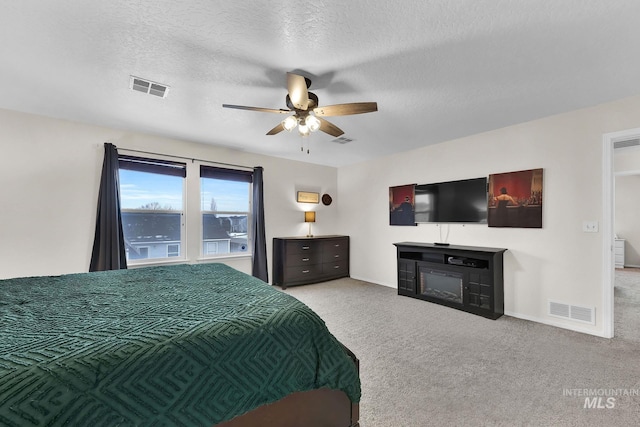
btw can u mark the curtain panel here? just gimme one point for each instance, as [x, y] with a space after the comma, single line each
[259, 261]
[108, 244]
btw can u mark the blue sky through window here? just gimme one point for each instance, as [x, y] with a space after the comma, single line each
[229, 196]
[138, 189]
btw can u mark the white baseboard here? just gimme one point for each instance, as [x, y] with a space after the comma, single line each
[365, 279]
[631, 266]
[575, 328]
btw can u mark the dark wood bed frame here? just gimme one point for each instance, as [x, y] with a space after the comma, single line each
[316, 408]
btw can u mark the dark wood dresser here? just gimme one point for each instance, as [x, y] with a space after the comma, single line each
[303, 260]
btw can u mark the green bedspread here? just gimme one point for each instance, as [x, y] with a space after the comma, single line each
[178, 345]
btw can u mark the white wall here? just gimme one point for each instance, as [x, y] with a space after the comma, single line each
[49, 188]
[559, 262]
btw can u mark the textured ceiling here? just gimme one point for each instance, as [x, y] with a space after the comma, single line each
[438, 69]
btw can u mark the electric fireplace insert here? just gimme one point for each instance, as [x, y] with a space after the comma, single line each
[441, 284]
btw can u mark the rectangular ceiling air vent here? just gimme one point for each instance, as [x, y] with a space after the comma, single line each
[342, 140]
[147, 86]
[572, 312]
[627, 143]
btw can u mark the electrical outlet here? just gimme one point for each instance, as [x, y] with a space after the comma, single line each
[590, 226]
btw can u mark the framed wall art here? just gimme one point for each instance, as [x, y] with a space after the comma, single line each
[307, 197]
[402, 205]
[515, 199]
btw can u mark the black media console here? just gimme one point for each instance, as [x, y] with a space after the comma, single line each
[467, 278]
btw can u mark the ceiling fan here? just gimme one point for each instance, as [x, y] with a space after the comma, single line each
[307, 115]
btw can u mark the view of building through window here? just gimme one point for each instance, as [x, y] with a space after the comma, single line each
[153, 220]
[152, 212]
[225, 216]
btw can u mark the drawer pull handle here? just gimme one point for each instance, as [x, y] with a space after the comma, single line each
[337, 245]
[336, 266]
[304, 248]
[336, 256]
[305, 259]
[305, 271]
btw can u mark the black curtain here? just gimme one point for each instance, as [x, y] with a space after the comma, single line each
[259, 261]
[108, 245]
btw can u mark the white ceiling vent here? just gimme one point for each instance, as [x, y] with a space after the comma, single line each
[572, 312]
[342, 140]
[147, 86]
[627, 143]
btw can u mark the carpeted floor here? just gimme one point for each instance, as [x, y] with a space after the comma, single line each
[626, 310]
[427, 365]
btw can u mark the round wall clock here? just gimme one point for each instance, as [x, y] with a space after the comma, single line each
[326, 199]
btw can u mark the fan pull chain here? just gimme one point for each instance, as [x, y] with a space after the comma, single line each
[302, 141]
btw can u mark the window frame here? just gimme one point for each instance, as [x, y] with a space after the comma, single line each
[169, 252]
[237, 175]
[161, 167]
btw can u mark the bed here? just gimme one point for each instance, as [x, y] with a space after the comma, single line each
[185, 345]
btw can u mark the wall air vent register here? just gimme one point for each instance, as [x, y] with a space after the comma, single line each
[572, 312]
[625, 144]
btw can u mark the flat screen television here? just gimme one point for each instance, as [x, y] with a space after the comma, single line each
[463, 201]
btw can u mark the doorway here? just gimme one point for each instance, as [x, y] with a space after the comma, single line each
[608, 221]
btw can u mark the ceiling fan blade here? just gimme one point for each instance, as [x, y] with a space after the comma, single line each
[330, 128]
[264, 110]
[297, 87]
[279, 128]
[346, 109]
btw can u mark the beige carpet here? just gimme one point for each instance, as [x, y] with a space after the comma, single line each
[427, 365]
[626, 310]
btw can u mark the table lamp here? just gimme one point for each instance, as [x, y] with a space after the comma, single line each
[310, 217]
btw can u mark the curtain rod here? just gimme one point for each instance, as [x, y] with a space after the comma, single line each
[186, 158]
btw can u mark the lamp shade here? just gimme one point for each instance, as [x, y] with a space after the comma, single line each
[303, 130]
[313, 123]
[289, 123]
[310, 216]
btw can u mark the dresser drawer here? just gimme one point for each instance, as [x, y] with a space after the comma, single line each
[335, 268]
[333, 250]
[302, 246]
[302, 273]
[335, 244]
[303, 258]
[337, 255]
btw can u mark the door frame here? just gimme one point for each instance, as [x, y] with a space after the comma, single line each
[608, 212]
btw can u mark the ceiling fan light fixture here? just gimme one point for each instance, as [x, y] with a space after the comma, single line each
[312, 123]
[303, 129]
[306, 114]
[289, 123]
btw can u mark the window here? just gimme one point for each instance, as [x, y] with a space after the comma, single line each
[173, 250]
[211, 248]
[225, 205]
[142, 252]
[152, 200]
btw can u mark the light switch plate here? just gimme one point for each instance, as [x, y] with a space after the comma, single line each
[590, 226]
